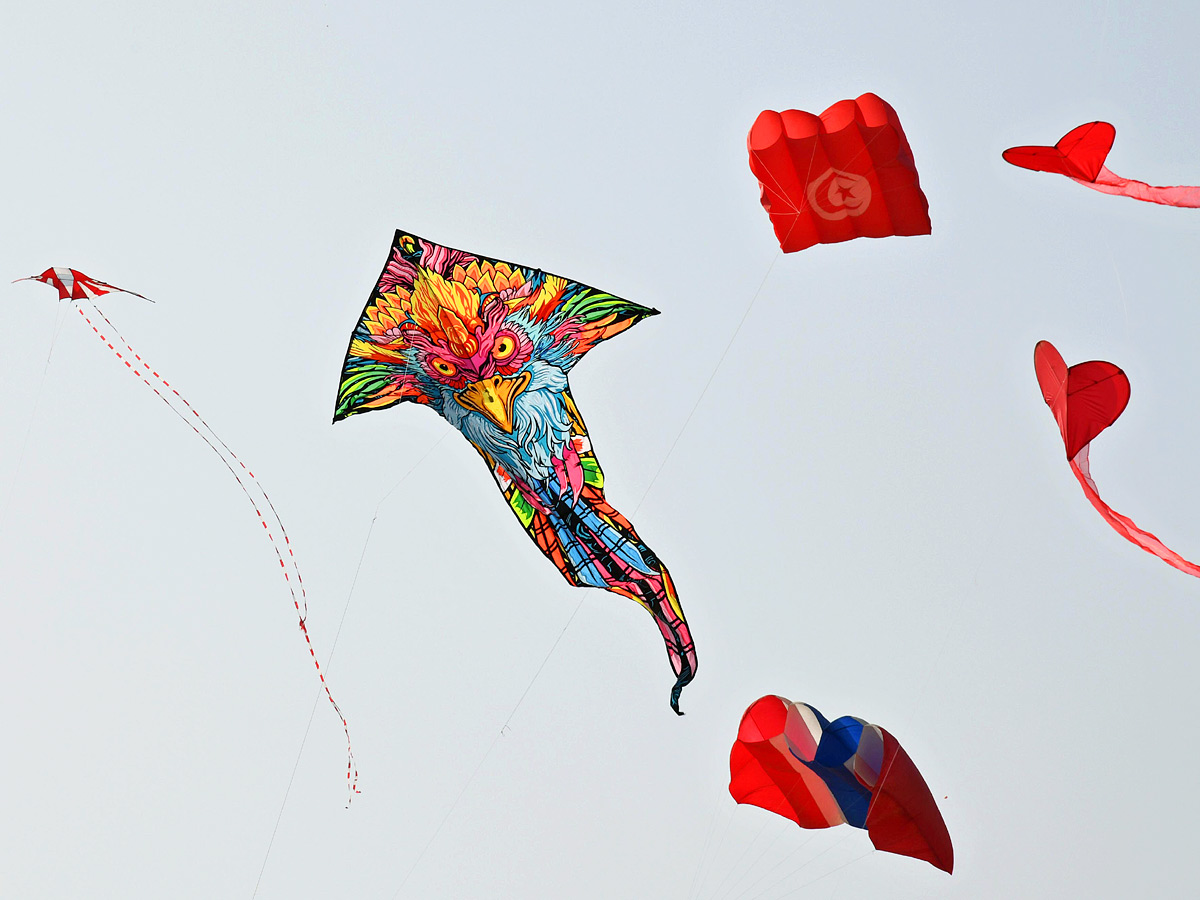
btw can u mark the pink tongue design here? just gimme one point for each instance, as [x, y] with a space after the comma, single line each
[569, 471]
[574, 470]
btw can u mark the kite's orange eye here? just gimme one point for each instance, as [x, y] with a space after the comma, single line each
[444, 368]
[505, 347]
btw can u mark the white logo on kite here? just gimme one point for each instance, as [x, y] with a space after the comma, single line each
[837, 194]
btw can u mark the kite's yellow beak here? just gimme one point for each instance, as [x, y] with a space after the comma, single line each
[493, 397]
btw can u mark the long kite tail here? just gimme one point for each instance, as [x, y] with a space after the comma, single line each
[1123, 525]
[656, 592]
[595, 546]
[1108, 182]
[681, 649]
[250, 486]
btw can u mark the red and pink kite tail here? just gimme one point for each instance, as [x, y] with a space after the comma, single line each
[1085, 399]
[1108, 182]
[1125, 526]
[1080, 155]
[246, 480]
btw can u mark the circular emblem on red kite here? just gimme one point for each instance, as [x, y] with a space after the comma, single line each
[837, 194]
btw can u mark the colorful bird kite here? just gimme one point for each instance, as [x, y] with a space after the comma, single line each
[845, 174]
[488, 345]
[789, 759]
[83, 290]
[1086, 399]
[1080, 155]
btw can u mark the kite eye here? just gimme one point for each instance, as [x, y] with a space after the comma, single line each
[504, 348]
[444, 368]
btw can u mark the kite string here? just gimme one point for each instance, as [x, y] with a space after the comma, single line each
[140, 373]
[707, 384]
[715, 852]
[812, 860]
[37, 399]
[329, 658]
[488, 752]
[832, 871]
[767, 874]
[216, 437]
[729, 892]
[704, 856]
[720, 888]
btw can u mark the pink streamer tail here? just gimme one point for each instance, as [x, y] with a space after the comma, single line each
[1108, 182]
[1125, 526]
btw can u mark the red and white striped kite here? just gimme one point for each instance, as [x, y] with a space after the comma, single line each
[83, 290]
[74, 285]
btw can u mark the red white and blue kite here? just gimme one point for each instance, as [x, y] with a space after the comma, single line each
[791, 760]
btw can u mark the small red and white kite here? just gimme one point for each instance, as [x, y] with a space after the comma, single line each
[73, 285]
[1086, 399]
[1080, 155]
[83, 290]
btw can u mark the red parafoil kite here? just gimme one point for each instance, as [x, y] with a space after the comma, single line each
[1080, 155]
[791, 760]
[845, 174]
[1086, 399]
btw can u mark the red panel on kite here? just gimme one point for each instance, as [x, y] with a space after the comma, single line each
[1080, 155]
[1086, 399]
[845, 174]
[790, 760]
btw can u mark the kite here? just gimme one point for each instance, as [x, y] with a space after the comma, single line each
[83, 290]
[845, 174]
[488, 345]
[1086, 399]
[74, 285]
[790, 760]
[1080, 155]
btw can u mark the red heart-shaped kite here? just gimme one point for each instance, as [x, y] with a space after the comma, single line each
[1085, 398]
[1080, 154]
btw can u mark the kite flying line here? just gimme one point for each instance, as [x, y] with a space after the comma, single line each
[37, 399]
[333, 647]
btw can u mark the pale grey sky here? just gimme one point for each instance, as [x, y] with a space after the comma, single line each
[868, 512]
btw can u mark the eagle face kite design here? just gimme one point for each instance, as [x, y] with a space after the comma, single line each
[488, 345]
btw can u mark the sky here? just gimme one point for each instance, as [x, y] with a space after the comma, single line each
[859, 492]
